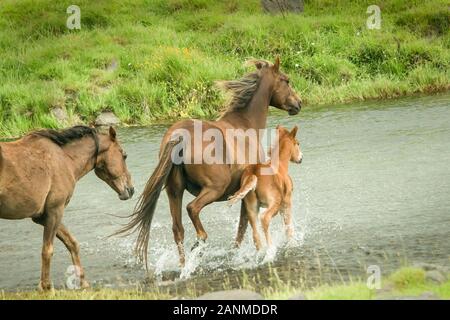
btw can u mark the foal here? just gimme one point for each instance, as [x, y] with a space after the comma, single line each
[270, 191]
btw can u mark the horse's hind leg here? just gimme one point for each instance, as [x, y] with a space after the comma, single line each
[175, 189]
[72, 245]
[243, 224]
[205, 197]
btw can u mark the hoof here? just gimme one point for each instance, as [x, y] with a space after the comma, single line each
[197, 243]
[84, 284]
[45, 287]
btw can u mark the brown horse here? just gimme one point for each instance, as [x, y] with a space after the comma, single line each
[38, 174]
[210, 182]
[273, 192]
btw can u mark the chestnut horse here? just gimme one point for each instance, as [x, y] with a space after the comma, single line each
[209, 182]
[273, 192]
[38, 174]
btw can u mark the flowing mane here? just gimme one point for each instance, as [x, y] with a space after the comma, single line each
[66, 136]
[242, 90]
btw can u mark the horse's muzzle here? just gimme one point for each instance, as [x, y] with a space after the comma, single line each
[294, 108]
[127, 193]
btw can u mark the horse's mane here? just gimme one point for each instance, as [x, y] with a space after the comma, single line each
[63, 137]
[242, 90]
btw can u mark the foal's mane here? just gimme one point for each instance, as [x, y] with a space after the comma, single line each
[66, 136]
[242, 90]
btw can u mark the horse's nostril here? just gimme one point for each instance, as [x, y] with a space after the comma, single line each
[131, 191]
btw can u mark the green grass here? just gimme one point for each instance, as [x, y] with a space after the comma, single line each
[406, 281]
[170, 52]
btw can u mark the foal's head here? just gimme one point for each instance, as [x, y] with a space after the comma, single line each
[283, 96]
[111, 166]
[288, 141]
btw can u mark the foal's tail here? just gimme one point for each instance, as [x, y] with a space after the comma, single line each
[145, 208]
[248, 184]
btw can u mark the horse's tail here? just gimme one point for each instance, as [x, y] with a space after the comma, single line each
[248, 183]
[141, 218]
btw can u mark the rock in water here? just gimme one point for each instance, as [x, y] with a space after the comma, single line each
[435, 276]
[231, 295]
[107, 119]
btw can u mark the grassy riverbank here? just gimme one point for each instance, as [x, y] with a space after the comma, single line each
[410, 282]
[153, 60]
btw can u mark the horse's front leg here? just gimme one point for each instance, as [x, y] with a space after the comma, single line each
[286, 212]
[51, 223]
[74, 248]
[266, 217]
[252, 206]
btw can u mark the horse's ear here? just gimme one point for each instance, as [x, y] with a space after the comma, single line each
[276, 65]
[294, 131]
[112, 133]
[259, 64]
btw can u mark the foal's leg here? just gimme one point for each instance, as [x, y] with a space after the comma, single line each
[287, 215]
[175, 190]
[51, 223]
[205, 197]
[252, 214]
[74, 248]
[287, 218]
[266, 217]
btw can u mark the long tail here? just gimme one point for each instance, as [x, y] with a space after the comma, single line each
[141, 218]
[248, 184]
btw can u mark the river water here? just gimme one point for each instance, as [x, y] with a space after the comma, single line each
[373, 189]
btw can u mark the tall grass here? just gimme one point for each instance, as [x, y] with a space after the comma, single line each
[153, 60]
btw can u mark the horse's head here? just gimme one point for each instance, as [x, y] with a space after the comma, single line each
[283, 96]
[111, 166]
[288, 140]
